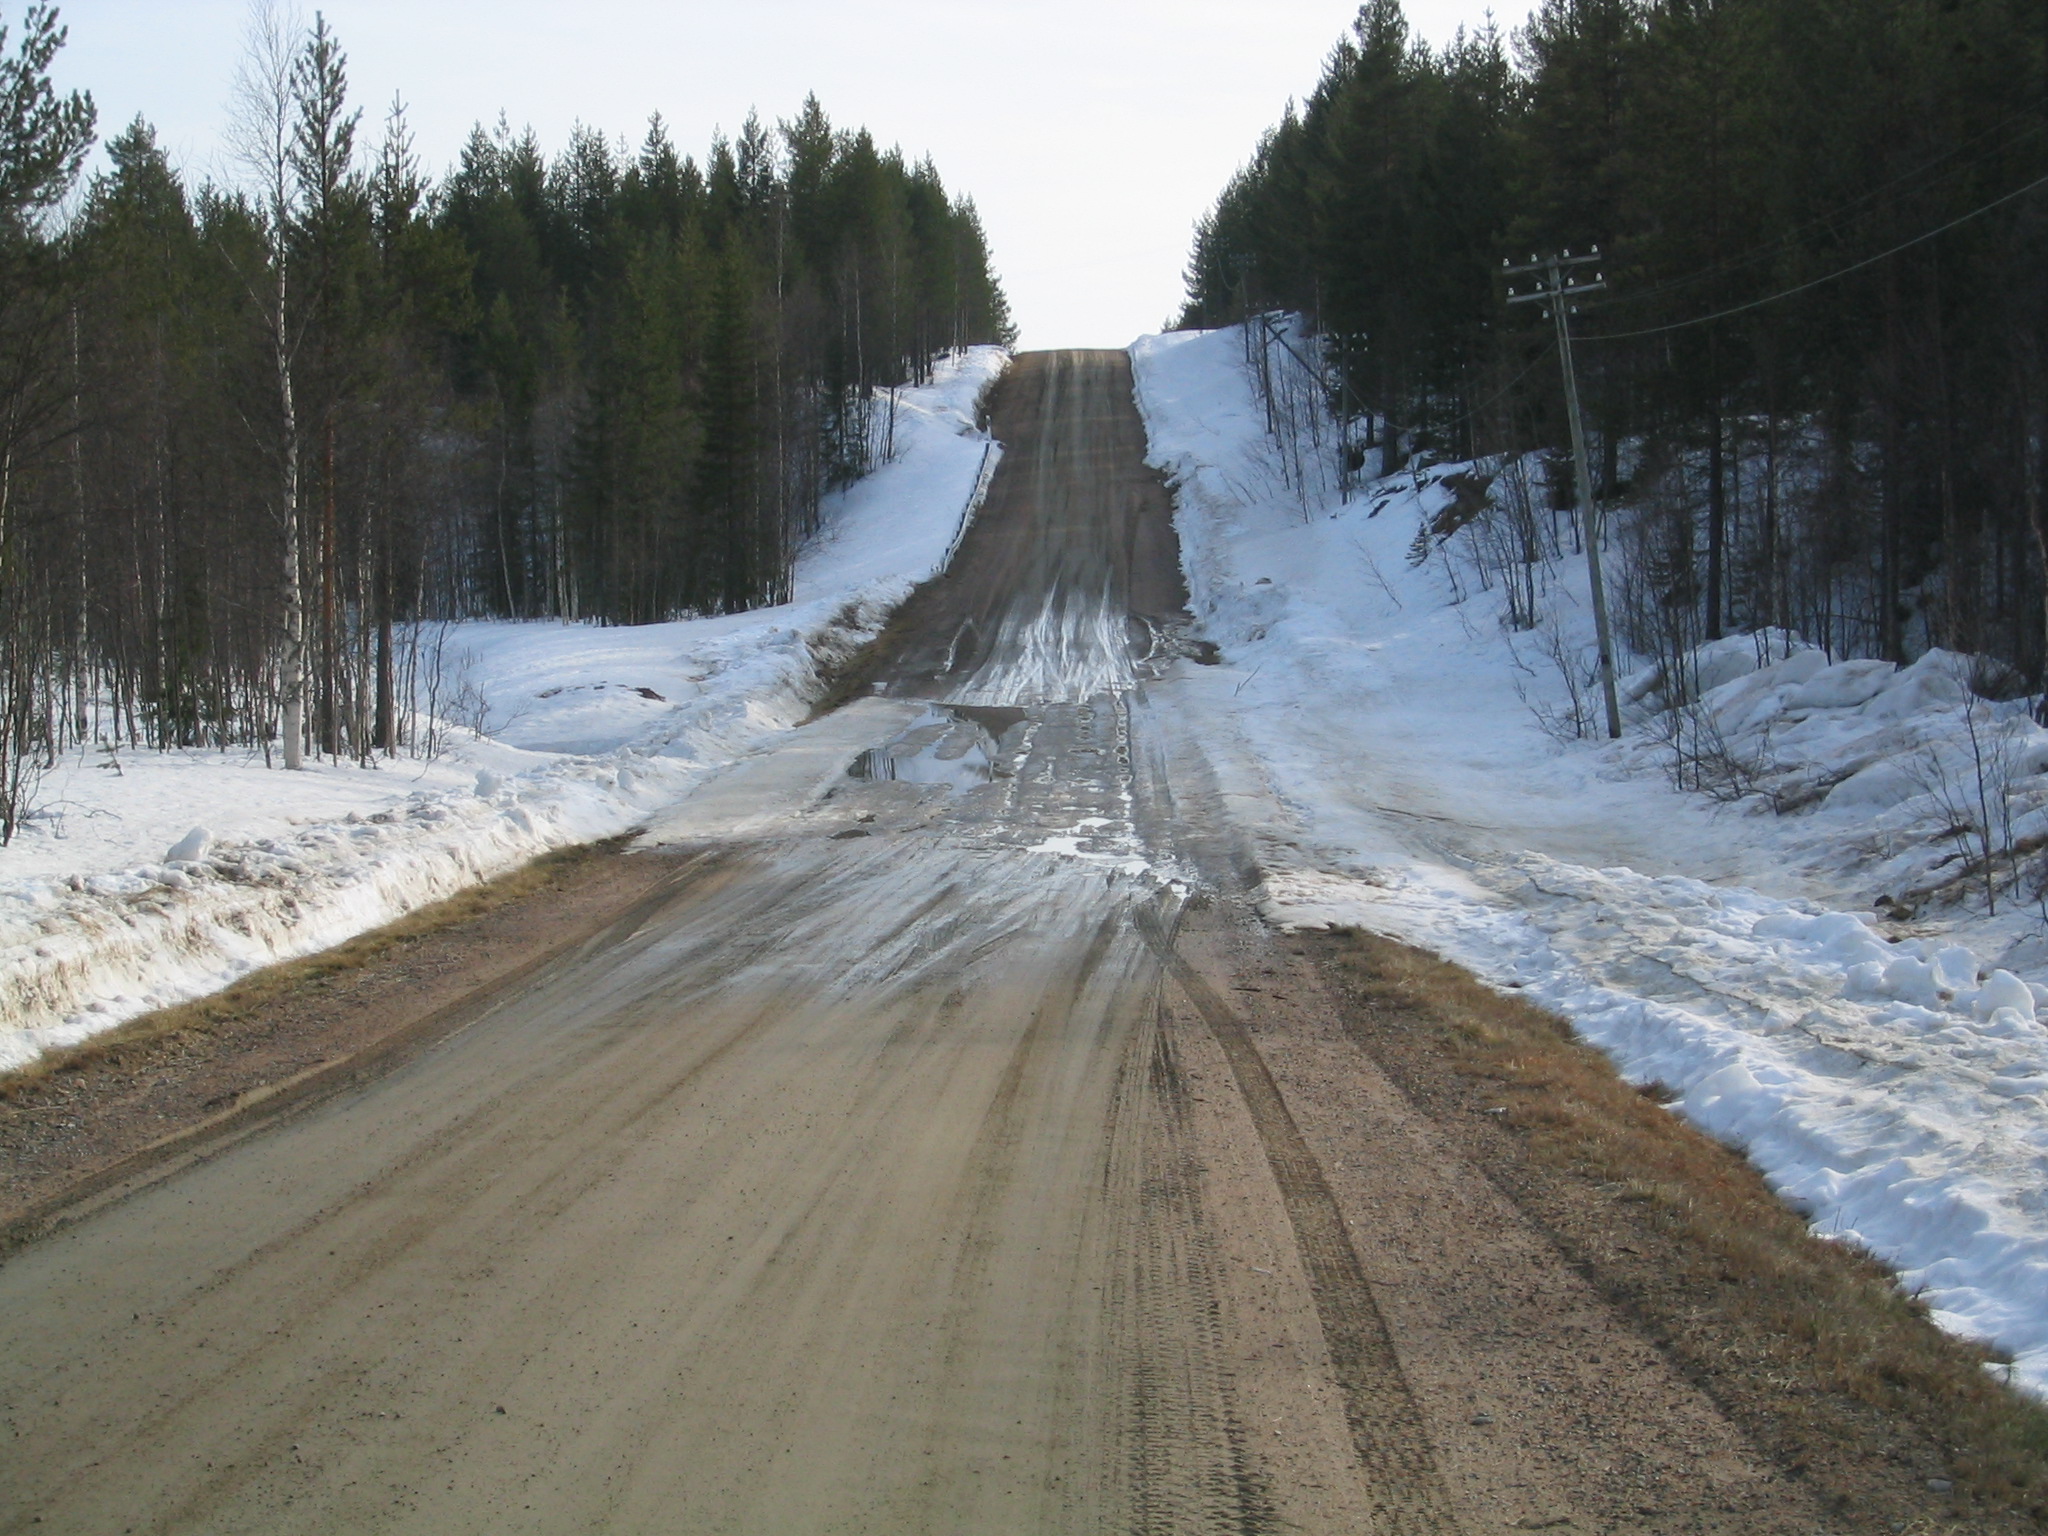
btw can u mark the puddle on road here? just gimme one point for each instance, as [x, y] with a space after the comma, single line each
[957, 745]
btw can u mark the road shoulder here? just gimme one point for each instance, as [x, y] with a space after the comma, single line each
[90, 1122]
[1665, 1255]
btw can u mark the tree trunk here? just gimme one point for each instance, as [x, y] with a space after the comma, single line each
[2033, 432]
[1891, 642]
[386, 728]
[1717, 522]
[331, 651]
[294, 670]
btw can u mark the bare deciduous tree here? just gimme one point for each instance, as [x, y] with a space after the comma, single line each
[260, 135]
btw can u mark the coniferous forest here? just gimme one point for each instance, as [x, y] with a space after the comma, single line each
[1817, 381]
[254, 431]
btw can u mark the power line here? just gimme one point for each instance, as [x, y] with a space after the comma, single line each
[1857, 266]
[1852, 209]
[1471, 412]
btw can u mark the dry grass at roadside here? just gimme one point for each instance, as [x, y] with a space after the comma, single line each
[261, 989]
[1811, 1344]
[856, 676]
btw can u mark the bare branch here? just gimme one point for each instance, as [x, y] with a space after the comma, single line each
[262, 108]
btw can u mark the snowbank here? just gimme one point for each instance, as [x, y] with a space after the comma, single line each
[1884, 767]
[109, 908]
[1378, 731]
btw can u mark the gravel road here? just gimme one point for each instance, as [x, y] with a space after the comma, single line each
[923, 1160]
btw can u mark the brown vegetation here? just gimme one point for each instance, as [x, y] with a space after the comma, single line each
[83, 1119]
[1809, 1344]
[129, 1044]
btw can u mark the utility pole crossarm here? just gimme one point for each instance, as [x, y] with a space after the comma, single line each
[1543, 294]
[1555, 263]
[1558, 283]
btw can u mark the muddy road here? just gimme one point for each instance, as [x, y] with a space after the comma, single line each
[942, 1149]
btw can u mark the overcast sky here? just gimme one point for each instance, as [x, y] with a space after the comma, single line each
[1091, 133]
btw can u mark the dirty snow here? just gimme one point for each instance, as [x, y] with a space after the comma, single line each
[1376, 731]
[154, 877]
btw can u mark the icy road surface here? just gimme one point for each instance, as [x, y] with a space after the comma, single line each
[833, 1193]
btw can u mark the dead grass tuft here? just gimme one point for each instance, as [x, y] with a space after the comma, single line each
[1810, 1343]
[856, 676]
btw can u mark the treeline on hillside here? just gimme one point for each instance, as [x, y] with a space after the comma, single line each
[252, 434]
[1819, 378]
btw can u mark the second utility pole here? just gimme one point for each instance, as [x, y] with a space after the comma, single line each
[1556, 286]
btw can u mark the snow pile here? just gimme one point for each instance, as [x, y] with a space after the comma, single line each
[1378, 733]
[1905, 782]
[153, 878]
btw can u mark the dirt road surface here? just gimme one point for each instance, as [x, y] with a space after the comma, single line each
[946, 1151]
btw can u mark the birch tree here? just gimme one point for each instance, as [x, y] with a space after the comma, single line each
[261, 136]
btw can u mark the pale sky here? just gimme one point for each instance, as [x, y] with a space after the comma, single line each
[1090, 133]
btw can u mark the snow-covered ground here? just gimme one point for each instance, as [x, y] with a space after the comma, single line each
[1376, 728]
[154, 877]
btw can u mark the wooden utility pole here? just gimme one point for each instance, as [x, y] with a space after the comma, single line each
[1556, 286]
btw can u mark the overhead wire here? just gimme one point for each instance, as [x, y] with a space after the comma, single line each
[1471, 412]
[1812, 283]
[1851, 209]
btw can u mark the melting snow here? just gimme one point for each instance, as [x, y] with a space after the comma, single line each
[156, 877]
[1374, 731]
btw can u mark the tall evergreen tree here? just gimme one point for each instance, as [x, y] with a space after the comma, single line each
[1838, 438]
[250, 435]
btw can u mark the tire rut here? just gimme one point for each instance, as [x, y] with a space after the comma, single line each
[1387, 1430]
[1186, 1451]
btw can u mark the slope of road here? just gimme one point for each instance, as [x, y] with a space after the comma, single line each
[925, 1160]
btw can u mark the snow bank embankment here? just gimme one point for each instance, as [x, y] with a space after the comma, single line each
[572, 733]
[1375, 728]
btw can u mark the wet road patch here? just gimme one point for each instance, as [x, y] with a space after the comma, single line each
[957, 746]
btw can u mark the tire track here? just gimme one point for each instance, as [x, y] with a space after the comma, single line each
[857, 1188]
[1387, 1431]
[1186, 1450]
